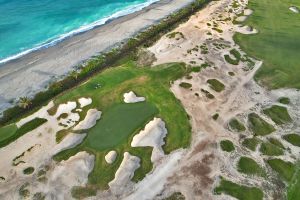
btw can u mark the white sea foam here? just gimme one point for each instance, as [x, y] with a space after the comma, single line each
[84, 28]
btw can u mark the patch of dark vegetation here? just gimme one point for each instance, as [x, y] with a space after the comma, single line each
[208, 94]
[29, 126]
[196, 69]
[231, 73]
[175, 196]
[39, 196]
[294, 139]
[237, 57]
[216, 85]
[284, 100]
[240, 192]
[215, 116]
[259, 126]
[227, 145]
[285, 169]
[276, 142]
[79, 192]
[270, 149]
[175, 35]
[278, 114]
[28, 170]
[185, 85]
[23, 191]
[236, 125]
[251, 143]
[248, 166]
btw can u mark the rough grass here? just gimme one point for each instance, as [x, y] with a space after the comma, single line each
[278, 114]
[216, 85]
[270, 149]
[236, 125]
[185, 85]
[285, 169]
[251, 143]
[175, 196]
[294, 139]
[153, 84]
[249, 166]
[276, 142]
[293, 188]
[10, 133]
[277, 43]
[227, 145]
[240, 192]
[28, 170]
[259, 126]
[234, 53]
[284, 100]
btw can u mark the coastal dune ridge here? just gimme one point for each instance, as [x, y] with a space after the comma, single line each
[32, 73]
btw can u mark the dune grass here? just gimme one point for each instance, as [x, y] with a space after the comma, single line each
[259, 126]
[285, 169]
[251, 143]
[249, 166]
[277, 42]
[269, 149]
[185, 85]
[227, 145]
[284, 100]
[294, 139]
[276, 142]
[216, 85]
[294, 185]
[28, 170]
[240, 192]
[236, 125]
[120, 122]
[278, 114]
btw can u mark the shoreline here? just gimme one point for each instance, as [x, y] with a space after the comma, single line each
[33, 72]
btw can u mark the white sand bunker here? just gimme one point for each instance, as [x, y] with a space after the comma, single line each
[131, 97]
[84, 102]
[294, 9]
[247, 30]
[152, 136]
[125, 172]
[89, 121]
[111, 157]
[248, 12]
[70, 141]
[241, 18]
[65, 108]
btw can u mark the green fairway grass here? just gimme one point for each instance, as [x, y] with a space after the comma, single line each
[285, 169]
[294, 139]
[277, 44]
[259, 126]
[120, 122]
[278, 114]
[7, 131]
[240, 192]
[249, 166]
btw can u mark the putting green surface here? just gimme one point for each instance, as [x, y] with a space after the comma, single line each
[118, 123]
[7, 131]
[277, 42]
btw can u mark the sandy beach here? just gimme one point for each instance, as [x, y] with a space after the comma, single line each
[33, 72]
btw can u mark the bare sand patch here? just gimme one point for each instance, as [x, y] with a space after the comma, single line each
[131, 97]
[84, 101]
[152, 136]
[70, 141]
[110, 157]
[294, 9]
[90, 120]
[248, 12]
[241, 18]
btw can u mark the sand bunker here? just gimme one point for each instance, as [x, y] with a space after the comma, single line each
[89, 121]
[125, 172]
[84, 102]
[247, 30]
[131, 97]
[65, 108]
[241, 18]
[152, 136]
[248, 12]
[70, 141]
[294, 9]
[111, 157]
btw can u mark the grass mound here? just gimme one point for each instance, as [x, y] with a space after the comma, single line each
[240, 192]
[294, 139]
[285, 169]
[278, 114]
[28, 170]
[236, 125]
[276, 142]
[259, 126]
[216, 85]
[251, 143]
[227, 145]
[270, 149]
[185, 85]
[249, 166]
[284, 100]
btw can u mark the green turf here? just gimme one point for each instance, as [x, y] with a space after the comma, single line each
[216, 85]
[227, 145]
[285, 169]
[240, 192]
[236, 125]
[278, 114]
[293, 188]
[120, 122]
[259, 126]
[14, 132]
[277, 42]
[249, 166]
[251, 143]
[294, 139]
[270, 149]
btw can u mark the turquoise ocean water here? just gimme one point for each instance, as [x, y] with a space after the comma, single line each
[28, 25]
